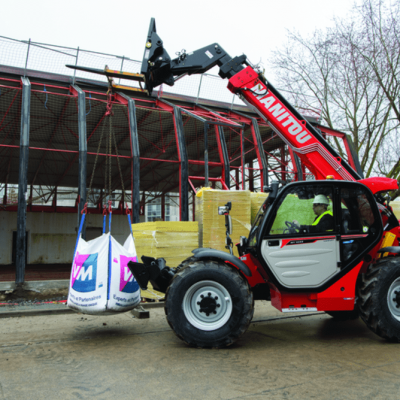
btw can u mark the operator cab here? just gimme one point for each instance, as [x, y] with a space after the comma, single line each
[314, 232]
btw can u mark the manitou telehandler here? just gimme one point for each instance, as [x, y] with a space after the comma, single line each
[351, 269]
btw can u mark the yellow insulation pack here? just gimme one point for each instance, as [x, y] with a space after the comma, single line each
[396, 208]
[172, 240]
[212, 225]
[257, 200]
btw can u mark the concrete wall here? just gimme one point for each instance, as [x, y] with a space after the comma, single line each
[52, 236]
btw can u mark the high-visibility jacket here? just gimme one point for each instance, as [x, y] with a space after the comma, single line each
[322, 223]
[318, 219]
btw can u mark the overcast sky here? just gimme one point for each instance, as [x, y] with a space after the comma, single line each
[120, 27]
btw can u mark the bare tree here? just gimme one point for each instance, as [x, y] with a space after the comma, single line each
[350, 81]
[381, 46]
[381, 51]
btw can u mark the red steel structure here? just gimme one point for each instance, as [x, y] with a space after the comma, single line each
[50, 130]
[252, 149]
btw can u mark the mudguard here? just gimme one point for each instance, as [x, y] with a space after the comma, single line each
[203, 253]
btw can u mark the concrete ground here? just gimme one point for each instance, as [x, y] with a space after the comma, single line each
[281, 356]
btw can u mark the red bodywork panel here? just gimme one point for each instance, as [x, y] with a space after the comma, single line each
[338, 297]
[258, 275]
[377, 185]
[288, 242]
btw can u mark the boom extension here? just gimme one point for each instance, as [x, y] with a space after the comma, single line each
[158, 68]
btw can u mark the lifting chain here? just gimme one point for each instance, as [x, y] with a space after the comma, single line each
[95, 161]
[107, 176]
[109, 110]
[109, 159]
[120, 171]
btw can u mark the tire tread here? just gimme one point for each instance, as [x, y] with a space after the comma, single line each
[370, 302]
[185, 269]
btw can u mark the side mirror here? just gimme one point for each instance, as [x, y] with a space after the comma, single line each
[228, 224]
[267, 189]
[224, 210]
[274, 191]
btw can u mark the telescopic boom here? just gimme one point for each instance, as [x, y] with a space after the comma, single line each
[252, 87]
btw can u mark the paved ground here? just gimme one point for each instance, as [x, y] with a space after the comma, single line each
[73, 356]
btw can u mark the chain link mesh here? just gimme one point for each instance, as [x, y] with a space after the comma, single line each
[10, 126]
[205, 89]
[195, 146]
[54, 125]
[157, 137]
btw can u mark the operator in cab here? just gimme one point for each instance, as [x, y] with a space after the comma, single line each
[323, 221]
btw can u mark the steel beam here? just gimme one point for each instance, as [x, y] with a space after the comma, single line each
[23, 182]
[184, 166]
[82, 153]
[225, 156]
[205, 155]
[296, 165]
[262, 161]
[51, 138]
[352, 155]
[261, 155]
[135, 152]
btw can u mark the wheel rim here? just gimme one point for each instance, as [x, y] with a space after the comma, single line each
[207, 305]
[393, 299]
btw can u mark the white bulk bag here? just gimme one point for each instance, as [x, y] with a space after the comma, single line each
[101, 282]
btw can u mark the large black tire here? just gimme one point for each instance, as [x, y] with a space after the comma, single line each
[208, 304]
[379, 298]
[185, 263]
[344, 315]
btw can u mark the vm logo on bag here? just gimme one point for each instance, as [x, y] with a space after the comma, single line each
[127, 282]
[84, 272]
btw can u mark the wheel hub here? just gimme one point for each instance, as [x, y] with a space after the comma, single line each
[207, 305]
[396, 299]
[393, 299]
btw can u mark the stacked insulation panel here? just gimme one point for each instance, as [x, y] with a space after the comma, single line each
[171, 240]
[212, 225]
[396, 208]
[257, 200]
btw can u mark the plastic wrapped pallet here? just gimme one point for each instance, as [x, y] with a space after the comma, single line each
[172, 240]
[257, 200]
[212, 225]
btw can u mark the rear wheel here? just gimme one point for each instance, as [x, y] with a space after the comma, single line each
[209, 304]
[379, 298]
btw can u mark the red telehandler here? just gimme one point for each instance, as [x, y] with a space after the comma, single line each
[348, 269]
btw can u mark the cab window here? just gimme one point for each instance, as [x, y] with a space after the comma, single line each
[304, 210]
[357, 215]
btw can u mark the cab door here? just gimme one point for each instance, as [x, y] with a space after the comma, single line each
[301, 256]
[360, 223]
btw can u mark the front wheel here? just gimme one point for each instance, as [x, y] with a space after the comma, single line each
[379, 298]
[209, 304]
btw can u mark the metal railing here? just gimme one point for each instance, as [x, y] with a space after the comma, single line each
[28, 55]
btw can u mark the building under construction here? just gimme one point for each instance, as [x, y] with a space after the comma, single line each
[67, 141]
